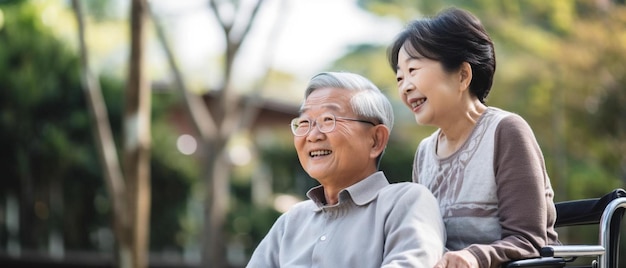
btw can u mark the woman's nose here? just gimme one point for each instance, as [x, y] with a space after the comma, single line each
[406, 87]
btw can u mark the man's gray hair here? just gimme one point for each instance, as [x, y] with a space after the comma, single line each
[369, 102]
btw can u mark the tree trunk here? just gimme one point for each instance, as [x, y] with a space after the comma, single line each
[215, 130]
[131, 201]
[214, 241]
[136, 165]
[107, 152]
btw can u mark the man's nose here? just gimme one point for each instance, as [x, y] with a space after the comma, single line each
[314, 132]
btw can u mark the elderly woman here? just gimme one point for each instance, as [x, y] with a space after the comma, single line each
[483, 164]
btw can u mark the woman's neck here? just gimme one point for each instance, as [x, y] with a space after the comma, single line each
[454, 135]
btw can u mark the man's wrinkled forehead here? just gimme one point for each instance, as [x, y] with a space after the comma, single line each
[307, 107]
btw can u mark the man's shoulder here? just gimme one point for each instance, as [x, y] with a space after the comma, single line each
[404, 188]
[407, 196]
[410, 186]
[299, 209]
[305, 205]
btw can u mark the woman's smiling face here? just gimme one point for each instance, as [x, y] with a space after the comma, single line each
[426, 88]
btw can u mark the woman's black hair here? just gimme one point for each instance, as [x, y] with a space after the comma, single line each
[452, 37]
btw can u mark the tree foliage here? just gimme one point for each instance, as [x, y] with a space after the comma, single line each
[49, 158]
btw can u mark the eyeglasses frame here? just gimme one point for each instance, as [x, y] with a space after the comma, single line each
[337, 118]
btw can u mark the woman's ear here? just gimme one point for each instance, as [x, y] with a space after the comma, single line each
[380, 139]
[465, 75]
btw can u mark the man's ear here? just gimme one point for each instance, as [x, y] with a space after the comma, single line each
[465, 75]
[380, 138]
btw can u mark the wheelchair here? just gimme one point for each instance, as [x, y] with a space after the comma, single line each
[605, 212]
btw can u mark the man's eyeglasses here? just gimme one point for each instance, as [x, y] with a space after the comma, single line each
[301, 126]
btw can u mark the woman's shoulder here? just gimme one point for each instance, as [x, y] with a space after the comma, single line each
[508, 121]
[430, 140]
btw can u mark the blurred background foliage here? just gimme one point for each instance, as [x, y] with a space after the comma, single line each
[561, 65]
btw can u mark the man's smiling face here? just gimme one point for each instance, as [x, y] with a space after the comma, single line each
[341, 154]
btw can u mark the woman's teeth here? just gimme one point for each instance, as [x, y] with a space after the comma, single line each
[417, 103]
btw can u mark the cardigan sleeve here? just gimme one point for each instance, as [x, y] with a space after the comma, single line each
[525, 205]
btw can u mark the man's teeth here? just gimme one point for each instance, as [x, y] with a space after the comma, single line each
[417, 103]
[320, 153]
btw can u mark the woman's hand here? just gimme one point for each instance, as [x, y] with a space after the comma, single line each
[457, 259]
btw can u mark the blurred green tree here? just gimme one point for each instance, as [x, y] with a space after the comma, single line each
[49, 157]
[217, 121]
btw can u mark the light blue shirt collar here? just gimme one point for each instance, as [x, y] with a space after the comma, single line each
[361, 193]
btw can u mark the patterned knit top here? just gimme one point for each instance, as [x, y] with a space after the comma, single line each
[494, 192]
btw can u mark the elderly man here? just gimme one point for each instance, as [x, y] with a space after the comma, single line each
[355, 218]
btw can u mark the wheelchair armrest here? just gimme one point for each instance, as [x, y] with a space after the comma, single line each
[586, 211]
[606, 211]
[544, 262]
[566, 251]
[557, 256]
